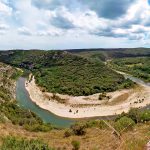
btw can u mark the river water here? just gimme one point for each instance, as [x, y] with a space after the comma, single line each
[25, 102]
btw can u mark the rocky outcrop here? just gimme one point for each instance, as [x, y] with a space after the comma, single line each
[7, 84]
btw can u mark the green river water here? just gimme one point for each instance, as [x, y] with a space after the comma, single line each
[25, 102]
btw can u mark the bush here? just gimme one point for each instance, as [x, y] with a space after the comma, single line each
[68, 133]
[102, 96]
[2, 118]
[134, 114]
[96, 123]
[76, 145]
[127, 84]
[120, 116]
[38, 127]
[79, 128]
[124, 124]
[144, 116]
[16, 74]
[13, 143]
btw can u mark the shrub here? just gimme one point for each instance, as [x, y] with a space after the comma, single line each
[79, 128]
[68, 133]
[2, 118]
[101, 124]
[102, 96]
[124, 124]
[120, 116]
[128, 84]
[38, 127]
[13, 143]
[57, 98]
[134, 114]
[76, 145]
[144, 116]
[96, 123]
[16, 74]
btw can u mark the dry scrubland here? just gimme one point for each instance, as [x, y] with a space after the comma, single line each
[94, 139]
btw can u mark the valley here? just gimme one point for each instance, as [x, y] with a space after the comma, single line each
[65, 96]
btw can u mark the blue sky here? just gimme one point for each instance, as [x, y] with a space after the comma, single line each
[64, 24]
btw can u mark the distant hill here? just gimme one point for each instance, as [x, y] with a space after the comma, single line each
[100, 53]
[104, 54]
[66, 73]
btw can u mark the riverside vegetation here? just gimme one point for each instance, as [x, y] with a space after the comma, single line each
[138, 67]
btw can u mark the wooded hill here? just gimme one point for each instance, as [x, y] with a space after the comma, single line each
[66, 73]
[106, 54]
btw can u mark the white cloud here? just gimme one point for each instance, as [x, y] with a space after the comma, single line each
[4, 27]
[24, 31]
[4, 9]
[50, 32]
[75, 21]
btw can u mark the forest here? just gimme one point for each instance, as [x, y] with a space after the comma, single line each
[138, 67]
[66, 73]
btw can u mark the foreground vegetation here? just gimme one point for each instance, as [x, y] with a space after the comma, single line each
[128, 131]
[138, 67]
[13, 143]
[65, 73]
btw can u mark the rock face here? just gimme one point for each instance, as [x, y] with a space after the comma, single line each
[7, 84]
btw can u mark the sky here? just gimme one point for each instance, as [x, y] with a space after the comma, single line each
[71, 24]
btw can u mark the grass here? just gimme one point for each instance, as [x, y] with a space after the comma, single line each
[95, 138]
[14, 143]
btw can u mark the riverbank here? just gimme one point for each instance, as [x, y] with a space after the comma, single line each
[90, 106]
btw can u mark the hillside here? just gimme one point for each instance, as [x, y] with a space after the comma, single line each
[10, 112]
[65, 73]
[106, 54]
[7, 86]
[138, 67]
[92, 135]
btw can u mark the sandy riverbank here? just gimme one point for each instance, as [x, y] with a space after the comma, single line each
[89, 106]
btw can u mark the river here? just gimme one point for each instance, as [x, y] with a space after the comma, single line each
[48, 117]
[25, 102]
[134, 79]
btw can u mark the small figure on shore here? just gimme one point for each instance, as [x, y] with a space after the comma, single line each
[70, 110]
